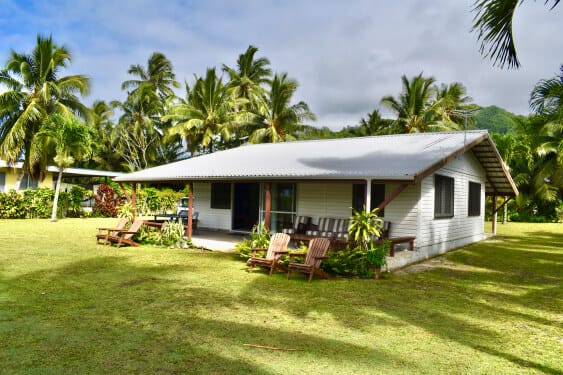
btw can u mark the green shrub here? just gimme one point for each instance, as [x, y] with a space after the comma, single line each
[12, 205]
[259, 238]
[356, 261]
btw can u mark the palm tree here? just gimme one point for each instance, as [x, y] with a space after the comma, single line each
[248, 78]
[69, 140]
[414, 106]
[277, 119]
[493, 23]
[547, 101]
[159, 75]
[138, 128]
[206, 115]
[104, 153]
[35, 91]
[374, 124]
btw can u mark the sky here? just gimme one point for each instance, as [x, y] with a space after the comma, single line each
[345, 55]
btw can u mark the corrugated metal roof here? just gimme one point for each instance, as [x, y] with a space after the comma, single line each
[402, 157]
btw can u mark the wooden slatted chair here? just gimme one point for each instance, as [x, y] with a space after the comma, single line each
[277, 247]
[124, 237]
[104, 233]
[315, 255]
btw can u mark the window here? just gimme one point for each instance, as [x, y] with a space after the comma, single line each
[221, 195]
[27, 183]
[377, 196]
[2, 181]
[443, 196]
[474, 204]
[283, 205]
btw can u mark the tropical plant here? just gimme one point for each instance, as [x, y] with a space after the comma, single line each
[422, 106]
[138, 132]
[277, 120]
[34, 91]
[206, 115]
[159, 75]
[493, 24]
[247, 80]
[106, 202]
[66, 138]
[105, 146]
[364, 226]
[259, 238]
[172, 234]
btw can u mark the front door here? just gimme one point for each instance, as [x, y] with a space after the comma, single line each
[245, 206]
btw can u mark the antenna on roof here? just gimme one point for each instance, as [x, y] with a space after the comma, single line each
[465, 113]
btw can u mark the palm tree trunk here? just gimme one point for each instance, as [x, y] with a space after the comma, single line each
[56, 200]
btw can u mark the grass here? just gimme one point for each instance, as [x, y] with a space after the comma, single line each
[69, 306]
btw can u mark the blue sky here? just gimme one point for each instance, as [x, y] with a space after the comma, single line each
[346, 55]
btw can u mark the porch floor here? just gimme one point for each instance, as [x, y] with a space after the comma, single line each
[216, 241]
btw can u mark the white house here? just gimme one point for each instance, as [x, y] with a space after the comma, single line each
[428, 185]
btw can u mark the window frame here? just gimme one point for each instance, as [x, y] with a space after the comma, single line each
[444, 196]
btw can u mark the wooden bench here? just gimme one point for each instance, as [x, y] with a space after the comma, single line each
[395, 240]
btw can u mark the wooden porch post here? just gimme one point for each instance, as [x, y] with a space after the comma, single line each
[368, 195]
[494, 216]
[268, 207]
[134, 200]
[190, 210]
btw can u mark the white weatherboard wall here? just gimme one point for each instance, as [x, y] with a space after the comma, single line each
[402, 212]
[324, 200]
[436, 236]
[213, 218]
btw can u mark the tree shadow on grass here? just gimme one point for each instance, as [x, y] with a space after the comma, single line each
[105, 315]
[442, 301]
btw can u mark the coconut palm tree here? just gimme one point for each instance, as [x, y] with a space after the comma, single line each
[547, 101]
[35, 90]
[69, 140]
[158, 74]
[248, 79]
[138, 128]
[106, 140]
[493, 24]
[206, 115]
[414, 107]
[277, 119]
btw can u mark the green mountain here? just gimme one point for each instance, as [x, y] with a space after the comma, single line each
[496, 120]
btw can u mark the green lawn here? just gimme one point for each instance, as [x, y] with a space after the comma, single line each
[69, 306]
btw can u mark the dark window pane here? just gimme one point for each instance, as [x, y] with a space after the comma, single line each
[443, 196]
[221, 195]
[474, 205]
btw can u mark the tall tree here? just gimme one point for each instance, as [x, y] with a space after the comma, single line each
[247, 80]
[277, 120]
[137, 129]
[66, 138]
[34, 91]
[205, 116]
[413, 106]
[493, 24]
[547, 101]
[422, 106]
[159, 74]
[105, 153]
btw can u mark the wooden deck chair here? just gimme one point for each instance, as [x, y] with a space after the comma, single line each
[124, 237]
[104, 233]
[277, 247]
[315, 255]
